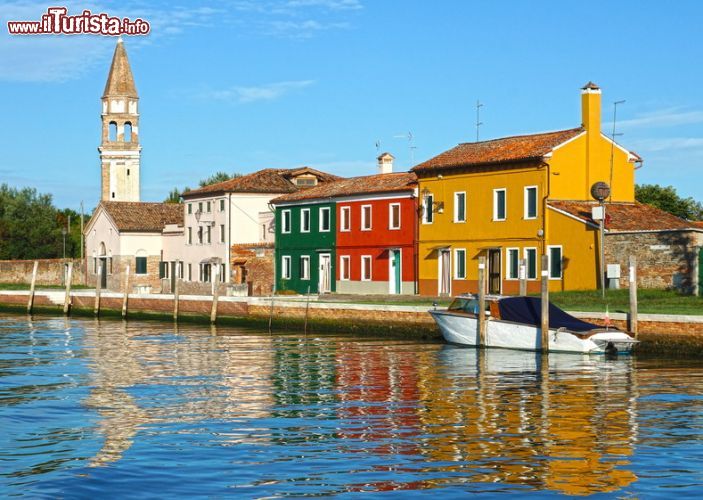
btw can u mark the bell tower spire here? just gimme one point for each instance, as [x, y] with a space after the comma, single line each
[119, 149]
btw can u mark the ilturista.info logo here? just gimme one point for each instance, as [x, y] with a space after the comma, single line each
[57, 21]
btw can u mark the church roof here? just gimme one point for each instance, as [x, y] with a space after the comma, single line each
[135, 216]
[120, 81]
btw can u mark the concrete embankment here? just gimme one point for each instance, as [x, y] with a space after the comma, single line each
[658, 333]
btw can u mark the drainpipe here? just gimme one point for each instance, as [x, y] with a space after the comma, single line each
[228, 264]
[544, 208]
[416, 243]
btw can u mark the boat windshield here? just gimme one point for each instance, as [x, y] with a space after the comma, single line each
[464, 304]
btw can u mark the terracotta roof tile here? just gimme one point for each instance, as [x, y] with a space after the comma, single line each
[625, 217]
[120, 81]
[697, 224]
[268, 180]
[142, 216]
[505, 150]
[368, 184]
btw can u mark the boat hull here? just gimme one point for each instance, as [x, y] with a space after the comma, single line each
[463, 330]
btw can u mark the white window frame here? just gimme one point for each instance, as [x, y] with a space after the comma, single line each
[286, 228]
[305, 269]
[456, 263]
[390, 217]
[302, 220]
[370, 259]
[527, 263]
[345, 216]
[344, 267]
[561, 264]
[209, 234]
[525, 214]
[222, 233]
[222, 205]
[427, 209]
[456, 207]
[190, 235]
[363, 218]
[285, 267]
[508, 250]
[495, 204]
[329, 219]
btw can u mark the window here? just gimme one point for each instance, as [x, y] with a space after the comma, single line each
[190, 235]
[223, 273]
[164, 270]
[531, 202]
[345, 214]
[179, 270]
[222, 233]
[112, 133]
[427, 204]
[285, 267]
[285, 221]
[365, 268]
[200, 206]
[305, 267]
[499, 204]
[200, 235]
[306, 181]
[512, 263]
[344, 267]
[209, 207]
[305, 220]
[324, 218]
[531, 257]
[460, 264]
[140, 265]
[205, 273]
[394, 216]
[127, 134]
[209, 235]
[190, 272]
[555, 262]
[460, 207]
[222, 205]
[190, 208]
[365, 217]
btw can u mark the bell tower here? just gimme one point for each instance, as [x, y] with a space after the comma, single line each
[119, 149]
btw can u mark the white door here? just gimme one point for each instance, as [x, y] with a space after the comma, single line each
[325, 275]
[445, 273]
[394, 271]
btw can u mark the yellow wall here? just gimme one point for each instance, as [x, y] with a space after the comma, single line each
[580, 250]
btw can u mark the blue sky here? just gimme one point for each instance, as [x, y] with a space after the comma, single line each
[243, 85]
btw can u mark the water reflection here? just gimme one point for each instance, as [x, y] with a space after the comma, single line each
[213, 409]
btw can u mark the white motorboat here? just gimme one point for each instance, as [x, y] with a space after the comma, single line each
[514, 323]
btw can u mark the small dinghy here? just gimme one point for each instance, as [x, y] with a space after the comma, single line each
[515, 323]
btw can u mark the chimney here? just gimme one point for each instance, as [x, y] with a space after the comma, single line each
[590, 108]
[385, 163]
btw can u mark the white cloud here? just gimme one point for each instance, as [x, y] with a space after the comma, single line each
[668, 144]
[301, 29]
[668, 117]
[328, 4]
[267, 92]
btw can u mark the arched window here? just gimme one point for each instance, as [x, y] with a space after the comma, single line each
[112, 132]
[128, 132]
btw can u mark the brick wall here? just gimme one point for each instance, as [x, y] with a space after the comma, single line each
[50, 271]
[257, 262]
[116, 276]
[665, 260]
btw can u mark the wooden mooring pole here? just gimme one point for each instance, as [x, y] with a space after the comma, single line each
[271, 310]
[176, 298]
[98, 284]
[545, 304]
[215, 296]
[67, 299]
[307, 308]
[126, 293]
[633, 295]
[30, 303]
[482, 301]
[522, 275]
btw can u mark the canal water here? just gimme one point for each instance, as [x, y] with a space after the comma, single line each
[99, 409]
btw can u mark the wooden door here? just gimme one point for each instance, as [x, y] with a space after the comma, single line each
[494, 277]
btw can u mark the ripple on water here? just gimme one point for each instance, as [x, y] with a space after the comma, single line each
[146, 409]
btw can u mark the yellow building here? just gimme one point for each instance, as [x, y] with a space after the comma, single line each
[492, 198]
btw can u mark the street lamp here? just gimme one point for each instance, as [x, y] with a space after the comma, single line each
[600, 191]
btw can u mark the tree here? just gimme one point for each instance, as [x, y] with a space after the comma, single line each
[174, 196]
[218, 177]
[29, 225]
[667, 199]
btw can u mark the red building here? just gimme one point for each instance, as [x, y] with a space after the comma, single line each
[376, 233]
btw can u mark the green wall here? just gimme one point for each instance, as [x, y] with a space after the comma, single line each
[296, 244]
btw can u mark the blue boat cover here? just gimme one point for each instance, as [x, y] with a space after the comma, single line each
[528, 310]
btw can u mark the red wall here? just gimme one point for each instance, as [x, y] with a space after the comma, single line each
[379, 239]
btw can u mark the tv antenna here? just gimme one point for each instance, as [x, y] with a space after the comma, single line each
[612, 144]
[378, 147]
[478, 117]
[411, 147]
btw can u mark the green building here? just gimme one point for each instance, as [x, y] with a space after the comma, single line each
[305, 245]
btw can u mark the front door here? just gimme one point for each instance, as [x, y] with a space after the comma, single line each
[325, 274]
[103, 273]
[494, 280]
[445, 272]
[394, 272]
